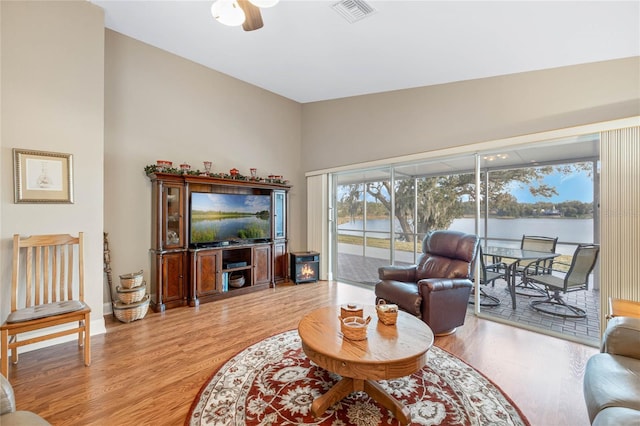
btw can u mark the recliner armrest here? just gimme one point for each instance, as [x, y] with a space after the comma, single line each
[398, 273]
[439, 284]
[7, 398]
[622, 337]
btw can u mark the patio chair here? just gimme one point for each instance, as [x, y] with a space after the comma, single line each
[488, 275]
[535, 243]
[576, 278]
[50, 293]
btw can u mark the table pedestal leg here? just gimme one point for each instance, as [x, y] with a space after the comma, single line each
[399, 410]
[341, 389]
[347, 385]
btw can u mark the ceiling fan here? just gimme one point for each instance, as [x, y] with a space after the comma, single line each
[241, 12]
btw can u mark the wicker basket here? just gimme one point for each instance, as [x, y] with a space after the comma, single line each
[387, 313]
[351, 310]
[131, 312]
[354, 328]
[131, 295]
[131, 280]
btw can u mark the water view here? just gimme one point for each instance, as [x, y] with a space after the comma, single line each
[567, 230]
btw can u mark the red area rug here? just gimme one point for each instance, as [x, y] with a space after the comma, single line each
[273, 383]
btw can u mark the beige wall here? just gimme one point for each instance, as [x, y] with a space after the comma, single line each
[393, 124]
[162, 107]
[117, 105]
[52, 79]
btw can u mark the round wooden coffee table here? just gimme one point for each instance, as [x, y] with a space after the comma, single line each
[388, 352]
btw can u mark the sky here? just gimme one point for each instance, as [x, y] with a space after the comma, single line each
[573, 187]
[577, 186]
[231, 202]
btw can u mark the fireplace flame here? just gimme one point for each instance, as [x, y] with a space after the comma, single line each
[307, 271]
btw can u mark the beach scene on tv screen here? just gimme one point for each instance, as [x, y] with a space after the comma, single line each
[227, 217]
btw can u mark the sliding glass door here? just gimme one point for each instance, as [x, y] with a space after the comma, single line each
[363, 225]
[547, 189]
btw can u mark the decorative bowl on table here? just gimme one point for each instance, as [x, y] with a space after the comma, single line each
[354, 328]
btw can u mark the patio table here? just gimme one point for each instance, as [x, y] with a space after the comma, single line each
[517, 255]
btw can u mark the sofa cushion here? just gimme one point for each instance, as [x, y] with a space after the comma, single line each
[22, 418]
[622, 337]
[611, 381]
[617, 416]
[7, 397]
[46, 310]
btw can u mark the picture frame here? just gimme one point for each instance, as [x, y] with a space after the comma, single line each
[42, 177]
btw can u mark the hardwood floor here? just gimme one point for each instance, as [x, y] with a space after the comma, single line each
[149, 371]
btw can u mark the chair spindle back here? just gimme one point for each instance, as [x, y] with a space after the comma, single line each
[47, 269]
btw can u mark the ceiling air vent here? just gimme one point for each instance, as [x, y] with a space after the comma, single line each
[353, 10]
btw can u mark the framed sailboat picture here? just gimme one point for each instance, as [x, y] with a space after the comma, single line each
[42, 177]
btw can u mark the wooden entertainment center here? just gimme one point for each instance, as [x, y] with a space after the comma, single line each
[189, 274]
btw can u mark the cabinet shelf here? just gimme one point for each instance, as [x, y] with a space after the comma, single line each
[241, 268]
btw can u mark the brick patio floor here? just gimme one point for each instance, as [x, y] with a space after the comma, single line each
[364, 270]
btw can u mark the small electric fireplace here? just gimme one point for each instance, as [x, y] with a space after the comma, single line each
[305, 266]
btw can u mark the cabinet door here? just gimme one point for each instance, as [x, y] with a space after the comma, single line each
[279, 261]
[261, 265]
[173, 267]
[207, 273]
[279, 214]
[172, 206]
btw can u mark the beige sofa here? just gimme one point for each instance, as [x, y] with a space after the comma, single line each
[8, 414]
[612, 377]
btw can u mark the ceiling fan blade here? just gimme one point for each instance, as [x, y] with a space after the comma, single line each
[253, 19]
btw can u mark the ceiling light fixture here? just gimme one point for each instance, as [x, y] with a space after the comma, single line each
[495, 157]
[264, 3]
[241, 12]
[228, 12]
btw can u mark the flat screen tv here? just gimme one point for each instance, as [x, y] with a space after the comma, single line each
[226, 218]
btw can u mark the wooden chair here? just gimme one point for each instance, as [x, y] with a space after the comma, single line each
[50, 293]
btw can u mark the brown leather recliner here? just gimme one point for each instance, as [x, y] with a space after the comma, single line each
[437, 288]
